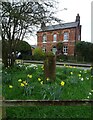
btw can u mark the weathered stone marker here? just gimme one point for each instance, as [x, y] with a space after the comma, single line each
[50, 66]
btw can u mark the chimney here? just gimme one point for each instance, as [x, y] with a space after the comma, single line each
[78, 18]
[43, 25]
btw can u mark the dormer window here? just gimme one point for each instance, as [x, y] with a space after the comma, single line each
[44, 38]
[66, 36]
[55, 38]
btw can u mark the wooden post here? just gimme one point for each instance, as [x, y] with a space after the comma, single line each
[3, 108]
[50, 67]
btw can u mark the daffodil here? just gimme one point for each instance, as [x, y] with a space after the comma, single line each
[85, 71]
[71, 73]
[41, 82]
[47, 79]
[10, 86]
[39, 79]
[79, 75]
[70, 66]
[87, 78]
[62, 83]
[42, 66]
[90, 93]
[64, 65]
[19, 80]
[22, 85]
[80, 71]
[25, 82]
[90, 67]
[82, 79]
[88, 97]
[29, 76]
[91, 90]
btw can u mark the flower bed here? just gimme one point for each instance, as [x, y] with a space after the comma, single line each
[28, 82]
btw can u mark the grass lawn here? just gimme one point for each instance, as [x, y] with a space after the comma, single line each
[28, 82]
[66, 112]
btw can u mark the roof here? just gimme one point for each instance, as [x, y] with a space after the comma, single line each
[59, 26]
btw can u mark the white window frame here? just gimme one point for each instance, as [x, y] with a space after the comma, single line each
[55, 38]
[44, 38]
[44, 49]
[66, 36]
[54, 50]
[65, 50]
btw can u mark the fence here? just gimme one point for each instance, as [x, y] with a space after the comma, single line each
[13, 103]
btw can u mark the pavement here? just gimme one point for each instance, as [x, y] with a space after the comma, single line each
[61, 63]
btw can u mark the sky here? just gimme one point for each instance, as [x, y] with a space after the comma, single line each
[83, 7]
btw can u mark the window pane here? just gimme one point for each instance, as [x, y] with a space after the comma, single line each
[44, 38]
[65, 49]
[66, 36]
[55, 37]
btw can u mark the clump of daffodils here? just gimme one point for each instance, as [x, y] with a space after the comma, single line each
[25, 83]
[22, 85]
[29, 76]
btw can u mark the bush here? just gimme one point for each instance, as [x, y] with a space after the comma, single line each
[62, 58]
[38, 54]
[84, 50]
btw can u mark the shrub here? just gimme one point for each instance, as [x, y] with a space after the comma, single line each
[62, 58]
[38, 54]
[85, 50]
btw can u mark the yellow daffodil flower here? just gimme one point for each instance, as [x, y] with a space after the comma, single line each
[62, 83]
[90, 67]
[70, 66]
[41, 82]
[10, 86]
[91, 90]
[19, 80]
[79, 75]
[42, 66]
[64, 65]
[71, 73]
[25, 82]
[29, 76]
[39, 79]
[22, 85]
[47, 79]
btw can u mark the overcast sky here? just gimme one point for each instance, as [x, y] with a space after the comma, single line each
[83, 7]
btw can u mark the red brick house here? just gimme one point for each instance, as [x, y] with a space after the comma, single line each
[67, 33]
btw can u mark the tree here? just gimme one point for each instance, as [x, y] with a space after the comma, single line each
[25, 49]
[18, 20]
[85, 49]
[59, 47]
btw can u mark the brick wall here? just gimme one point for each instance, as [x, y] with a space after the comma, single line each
[73, 36]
